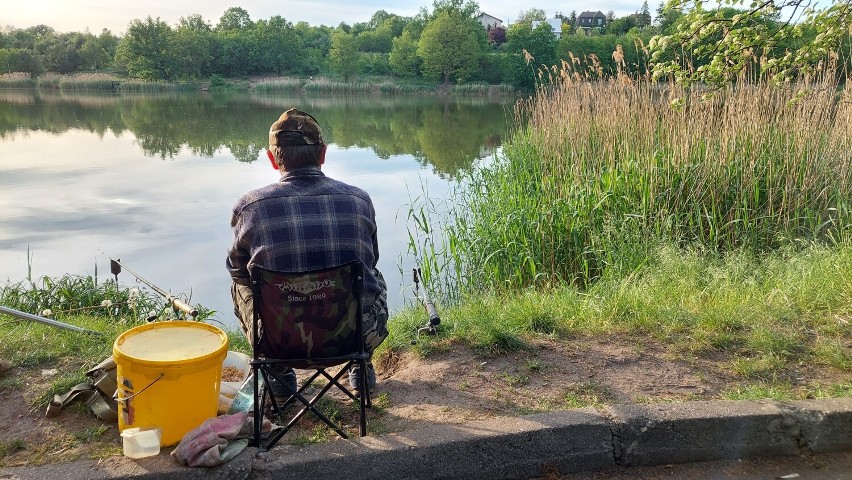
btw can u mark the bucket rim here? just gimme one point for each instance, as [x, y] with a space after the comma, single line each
[120, 355]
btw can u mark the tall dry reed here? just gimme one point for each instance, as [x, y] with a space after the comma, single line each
[604, 168]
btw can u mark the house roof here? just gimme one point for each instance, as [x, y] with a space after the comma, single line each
[483, 14]
[597, 14]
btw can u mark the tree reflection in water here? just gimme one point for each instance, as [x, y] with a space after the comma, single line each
[447, 133]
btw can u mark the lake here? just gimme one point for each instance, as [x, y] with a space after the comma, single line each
[151, 179]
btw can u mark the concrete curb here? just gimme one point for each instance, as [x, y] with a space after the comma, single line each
[523, 447]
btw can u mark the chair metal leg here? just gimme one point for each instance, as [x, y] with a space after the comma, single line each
[257, 396]
[364, 398]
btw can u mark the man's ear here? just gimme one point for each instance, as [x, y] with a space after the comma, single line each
[272, 159]
[322, 153]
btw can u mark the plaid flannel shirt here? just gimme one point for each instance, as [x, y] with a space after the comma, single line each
[306, 221]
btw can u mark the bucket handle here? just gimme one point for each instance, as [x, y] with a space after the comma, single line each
[115, 397]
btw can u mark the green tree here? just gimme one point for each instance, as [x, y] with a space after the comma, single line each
[147, 50]
[403, 56]
[317, 43]
[449, 48]
[59, 52]
[530, 50]
[235, 18]
[643, 16]
[621, 25]
[19, 60]
[279, 48]
[92, 54]
[343, 55]
[666, 17]
[730, 44]
[196, 46]
[533, 14]
[462, 8]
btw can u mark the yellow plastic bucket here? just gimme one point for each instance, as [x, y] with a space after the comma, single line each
[168, 376]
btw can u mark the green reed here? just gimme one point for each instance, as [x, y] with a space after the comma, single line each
[143, 86]
[279, 85]
[16, 80]
[471, 89]
[603, 169]
[394, 88]
[326, 86]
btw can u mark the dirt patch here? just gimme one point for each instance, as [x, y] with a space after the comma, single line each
[450, 386]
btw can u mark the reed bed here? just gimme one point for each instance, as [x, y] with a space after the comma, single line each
[90, 82]
[392, 88]
[279, 85]
[607, 168]
[471, 89]
[326, 86]
[143, 86]
[16, 80]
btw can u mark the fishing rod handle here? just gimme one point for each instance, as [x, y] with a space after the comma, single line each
[434, 318]
[183, 307]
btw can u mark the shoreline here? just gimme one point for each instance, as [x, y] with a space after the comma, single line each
[108, 83]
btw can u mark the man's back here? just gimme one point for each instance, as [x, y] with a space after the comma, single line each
[306, 221]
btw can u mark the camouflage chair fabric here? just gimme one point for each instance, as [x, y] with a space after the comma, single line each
[306, 317]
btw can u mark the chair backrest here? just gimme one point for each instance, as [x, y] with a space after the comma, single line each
[307, 316]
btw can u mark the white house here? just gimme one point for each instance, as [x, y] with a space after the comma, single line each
[488, 21]
[555, 25]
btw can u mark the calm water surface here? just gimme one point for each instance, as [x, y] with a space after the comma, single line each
[152, 179]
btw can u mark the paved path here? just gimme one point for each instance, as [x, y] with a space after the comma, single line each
[549, 445]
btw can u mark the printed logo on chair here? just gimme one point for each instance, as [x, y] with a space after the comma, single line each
[305, 287]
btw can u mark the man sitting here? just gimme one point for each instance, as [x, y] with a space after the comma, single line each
[306, 221]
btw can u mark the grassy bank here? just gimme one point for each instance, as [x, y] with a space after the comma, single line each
[765, 319]
[716, 224]
[772, 325]
[93, 82]
[99, 305]
[777, 324]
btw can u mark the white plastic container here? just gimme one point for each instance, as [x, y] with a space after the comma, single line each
[240, 361]
[140, 442]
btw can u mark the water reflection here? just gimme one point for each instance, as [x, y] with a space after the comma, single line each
[77, 179]
[447, 133]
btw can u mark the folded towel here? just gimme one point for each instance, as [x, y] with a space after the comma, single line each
[217, 440]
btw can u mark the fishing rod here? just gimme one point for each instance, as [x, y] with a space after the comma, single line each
[115, 267]
[46, 321]
[434, 319]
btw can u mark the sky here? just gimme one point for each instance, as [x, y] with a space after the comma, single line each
[95, 15]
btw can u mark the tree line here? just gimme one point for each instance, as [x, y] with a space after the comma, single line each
[446, 44]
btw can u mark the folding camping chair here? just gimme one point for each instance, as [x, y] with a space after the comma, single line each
[307, 320]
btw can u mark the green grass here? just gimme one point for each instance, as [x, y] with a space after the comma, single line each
[83, 301]
[588, 394]
[11, 446]
[759, 316]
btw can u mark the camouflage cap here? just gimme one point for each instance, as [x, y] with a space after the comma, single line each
[295, 127]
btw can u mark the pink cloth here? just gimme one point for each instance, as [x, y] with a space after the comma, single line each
[217, 440]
